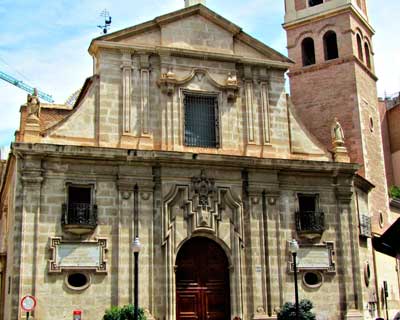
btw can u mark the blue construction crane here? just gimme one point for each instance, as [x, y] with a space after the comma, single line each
[24, 86]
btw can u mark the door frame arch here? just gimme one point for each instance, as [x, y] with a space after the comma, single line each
[224, 255]
[175, 234]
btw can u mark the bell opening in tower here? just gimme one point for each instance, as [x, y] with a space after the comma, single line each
[313, 3]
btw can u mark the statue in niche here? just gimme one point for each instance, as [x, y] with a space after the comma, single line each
[33, 104]
[337, 134]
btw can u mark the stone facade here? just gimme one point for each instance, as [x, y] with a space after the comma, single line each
[344, 87]
[124, 141]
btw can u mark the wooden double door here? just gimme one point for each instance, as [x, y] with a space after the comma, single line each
[202, 281]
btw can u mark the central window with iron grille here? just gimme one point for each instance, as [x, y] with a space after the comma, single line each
[79, 214]
[201, 120]
[309, 218]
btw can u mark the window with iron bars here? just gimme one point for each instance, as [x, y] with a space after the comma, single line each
[309, 218]
[201, 120]
[79, 210]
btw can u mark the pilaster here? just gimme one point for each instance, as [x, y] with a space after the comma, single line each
[127, 100]
[263, 194]
[31, 178]
[145, 91]
[273, 252]
[349, 268]
[135, 189]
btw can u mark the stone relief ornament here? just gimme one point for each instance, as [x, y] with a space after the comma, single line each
[232, 80]
[203, 188]
[169, 81]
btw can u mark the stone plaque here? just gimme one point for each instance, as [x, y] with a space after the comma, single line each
[314, 257]
[77, 255]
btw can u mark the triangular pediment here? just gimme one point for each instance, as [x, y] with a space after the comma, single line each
[194, 28]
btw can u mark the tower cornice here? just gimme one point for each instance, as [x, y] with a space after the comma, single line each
[327, 14]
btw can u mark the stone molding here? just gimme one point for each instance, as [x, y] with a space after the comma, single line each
[168, 82]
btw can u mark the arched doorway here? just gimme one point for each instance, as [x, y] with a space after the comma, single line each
[202, 281]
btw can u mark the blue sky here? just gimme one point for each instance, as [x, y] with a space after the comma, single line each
[44, 43]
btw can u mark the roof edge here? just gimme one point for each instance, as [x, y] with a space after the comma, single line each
[204, 11]
[192, 53]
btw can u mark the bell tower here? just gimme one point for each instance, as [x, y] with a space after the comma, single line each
[330, 42]
[333, 76]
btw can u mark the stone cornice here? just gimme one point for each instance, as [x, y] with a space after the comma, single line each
[127, 157]
[180, 52]
[327, 64]
[395, 203]
[363, 184]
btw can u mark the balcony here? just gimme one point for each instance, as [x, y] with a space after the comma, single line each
[311, 224]
[79, 218]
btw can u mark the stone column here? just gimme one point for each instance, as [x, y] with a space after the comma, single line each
[29, 215]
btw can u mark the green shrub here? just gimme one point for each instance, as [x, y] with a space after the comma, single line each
[123, 313]
[394, 192]
[288, 311]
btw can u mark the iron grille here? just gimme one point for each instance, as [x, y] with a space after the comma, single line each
[310, 221]
[201, 121]
[83, 214]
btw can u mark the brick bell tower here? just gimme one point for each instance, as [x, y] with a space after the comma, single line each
[330, 42]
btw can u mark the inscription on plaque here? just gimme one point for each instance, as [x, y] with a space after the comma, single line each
[315, 257]
[78, 255]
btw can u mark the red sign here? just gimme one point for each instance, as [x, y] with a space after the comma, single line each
[77, 314]
[28, 303]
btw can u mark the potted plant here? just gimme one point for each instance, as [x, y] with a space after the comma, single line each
[288, 311]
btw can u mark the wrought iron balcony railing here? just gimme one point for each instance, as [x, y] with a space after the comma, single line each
[79, 214]
[310, 222]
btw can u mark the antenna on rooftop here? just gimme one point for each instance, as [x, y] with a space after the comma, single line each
[107, 21]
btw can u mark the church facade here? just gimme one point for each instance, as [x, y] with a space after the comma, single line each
[185, 138]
